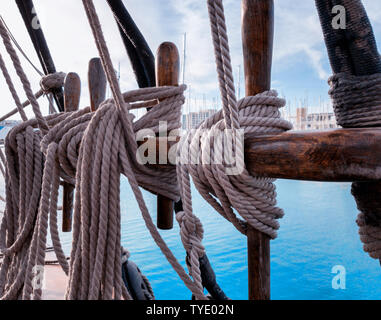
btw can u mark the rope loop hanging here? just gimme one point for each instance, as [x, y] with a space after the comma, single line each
[24, 239]
[213, 155]
[91, 151]
[111, 126]
[24, 80]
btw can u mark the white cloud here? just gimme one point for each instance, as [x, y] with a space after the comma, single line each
[297, 34]
[373, 9]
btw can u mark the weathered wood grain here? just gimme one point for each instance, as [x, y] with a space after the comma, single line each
[257, 39]
[72, 92]
[336, 155]
[97, 83]
[167, 73]
[72, 96]
[333, 155]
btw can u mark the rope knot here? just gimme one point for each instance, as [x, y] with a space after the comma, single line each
[52, 81]
[192, 232]
[214, 156]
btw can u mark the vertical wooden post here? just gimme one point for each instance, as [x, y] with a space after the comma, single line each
[257, 38]
[167, 74]
[97, 83]
[72, 95]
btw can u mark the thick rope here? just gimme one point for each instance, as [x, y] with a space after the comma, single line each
[357, 103]
[203, 153]
[48, 83]
[367, 196]
[253, 198]
[92, 150]
[24, 169]
[23, 78]
[23, 187]
[95, 271]
[12, 89]
[24, 224]
[25, 220]
[356, 100]
[30, 241]
[66, 134]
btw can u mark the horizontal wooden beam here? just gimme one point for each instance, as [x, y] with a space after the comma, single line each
[341, 155]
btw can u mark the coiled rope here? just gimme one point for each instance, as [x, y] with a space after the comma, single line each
[80, 127]
[23, 177]
[254, 198]
[355, 89]
[92, 150]
[100, 279]
[357, 101]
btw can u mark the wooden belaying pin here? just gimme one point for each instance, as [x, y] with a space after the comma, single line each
[257, 39]
[72, 95]
[167, 74]
[97, 83]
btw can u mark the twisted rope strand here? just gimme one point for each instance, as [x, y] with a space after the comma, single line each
[24, 80]
[204, 152]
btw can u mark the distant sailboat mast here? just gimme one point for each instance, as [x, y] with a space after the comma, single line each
[239, 82]
[184, 56]
[183, 71]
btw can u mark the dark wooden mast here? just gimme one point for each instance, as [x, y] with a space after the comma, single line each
[257, 38]
[28, 13]
[140, 54]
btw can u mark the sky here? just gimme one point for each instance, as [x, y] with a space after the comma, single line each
[300, 63]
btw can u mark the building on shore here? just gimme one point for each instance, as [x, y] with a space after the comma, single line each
[313, 121]
[9, 123]
[301, 117]
[193, 119]
[5, 127]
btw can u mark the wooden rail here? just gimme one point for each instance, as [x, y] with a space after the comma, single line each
[337, 155]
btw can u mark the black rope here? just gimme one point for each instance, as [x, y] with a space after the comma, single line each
[143, 64]
[352, 50]
[208, 277]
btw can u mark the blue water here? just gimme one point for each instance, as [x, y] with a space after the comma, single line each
[317, 233]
